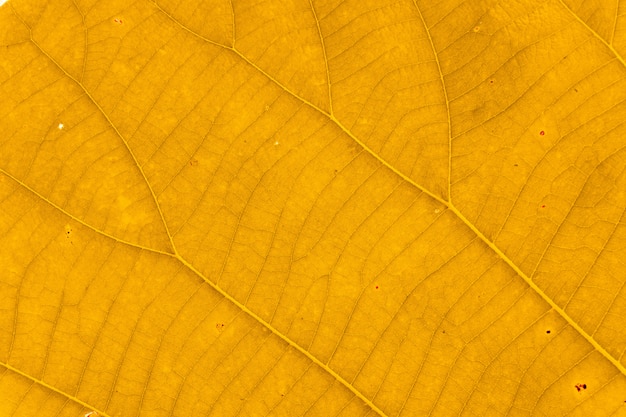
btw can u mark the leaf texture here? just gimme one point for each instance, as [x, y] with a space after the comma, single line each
[312, 208]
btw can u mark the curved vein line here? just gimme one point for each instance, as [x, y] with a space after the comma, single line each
[77, 220]
[110, 122]
[51, 388]
[313, 106]
[445, 95]
[319, 31]
[596, 34]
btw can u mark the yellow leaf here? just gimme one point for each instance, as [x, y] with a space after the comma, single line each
[305, 208]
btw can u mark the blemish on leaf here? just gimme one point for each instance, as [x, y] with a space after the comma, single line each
[118, 21]
[580, 387]
[68, 231]
[548, 331]
[543, 206]
[61, 126]
[193, 162]
[276, 143]
[92, 414]
[219, 326]
[476, 29]
[515, 165]
[377, 287]
[490, 81]
[437, 211]
[542, 133]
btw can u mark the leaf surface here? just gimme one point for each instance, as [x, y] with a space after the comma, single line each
[316, 208]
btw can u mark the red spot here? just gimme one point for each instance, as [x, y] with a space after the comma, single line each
[490, 81]
[542, 133]
[543, 206]
[377, 287]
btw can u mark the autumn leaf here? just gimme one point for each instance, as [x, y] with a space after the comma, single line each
[306, 208]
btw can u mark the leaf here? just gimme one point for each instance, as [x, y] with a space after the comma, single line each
[287, 208]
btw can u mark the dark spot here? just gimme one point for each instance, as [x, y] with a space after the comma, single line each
[542, 133]
[515, 165]
[490, 81]
[443, 331]
[543, 206]
[576, 90]
[377, 287]
[584, 386]
[548, 331]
